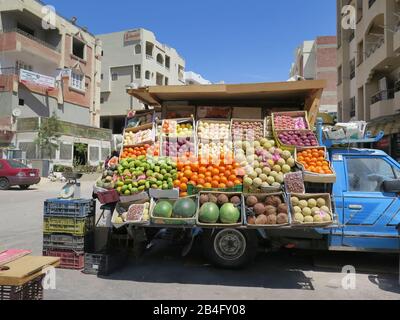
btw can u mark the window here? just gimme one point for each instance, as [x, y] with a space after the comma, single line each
[353, 107]
[77, 81]
[147, 75]
[102, 100]
[114, 77]
[397, 172]
[102, 76]
[26, 29]
[367, 174]
[352, 69]
[167, 62]
[160, 59]
[22, 65]
[102, 53]
[166, 81]
[21, 102]
[340, 75]
[138, 71]
[16, 165]
[138, 49]
[78, 48]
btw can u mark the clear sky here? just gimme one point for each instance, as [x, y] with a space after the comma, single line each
[235, 41]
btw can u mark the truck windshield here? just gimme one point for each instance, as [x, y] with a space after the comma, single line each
[368, 174]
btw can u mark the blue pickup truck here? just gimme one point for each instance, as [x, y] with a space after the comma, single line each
[366, 197]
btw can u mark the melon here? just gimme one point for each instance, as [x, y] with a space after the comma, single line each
[184, 208]
[209, 213]
[229, 214]
[163, 209]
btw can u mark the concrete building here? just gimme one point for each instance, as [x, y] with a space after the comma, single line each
[192, 78]
[46, 69]
[134, 58]
[369, 67]
[316, 60]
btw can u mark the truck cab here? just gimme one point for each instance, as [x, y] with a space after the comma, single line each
[366, 196]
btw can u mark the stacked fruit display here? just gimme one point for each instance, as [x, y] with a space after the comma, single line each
[266, 210]
[174, 129]
[168, 209]
[215, 148]
[286, 122]
[309, 210]
[303, 138]
[221, 174]
[247, 130]
[208, 130]
[137, 175]
[220, 208]
[177, 148]
[137, 213]
[314, 160]
[141, 137]
[264, 164]
[143, 150]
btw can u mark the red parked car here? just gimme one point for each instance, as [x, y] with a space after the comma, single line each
[14, 173]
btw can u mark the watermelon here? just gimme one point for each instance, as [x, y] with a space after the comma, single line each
[163, 209]
[229, 214]
[209, 213]
[184, 208]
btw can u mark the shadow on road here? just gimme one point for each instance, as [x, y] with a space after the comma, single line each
[386, 282]
[164, 264]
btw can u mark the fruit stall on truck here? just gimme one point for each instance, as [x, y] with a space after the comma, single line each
[248, 165]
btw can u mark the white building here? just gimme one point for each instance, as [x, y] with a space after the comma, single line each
[192, 78]
[134, 58]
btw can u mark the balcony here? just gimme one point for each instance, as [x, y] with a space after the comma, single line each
[149, 57]
[16, 40]
[383, 103]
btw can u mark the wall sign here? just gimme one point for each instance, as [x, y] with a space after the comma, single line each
[131, 36]
[26, 76]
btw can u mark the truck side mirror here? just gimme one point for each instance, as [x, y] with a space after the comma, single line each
[391, 186]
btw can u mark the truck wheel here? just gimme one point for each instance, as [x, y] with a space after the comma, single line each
[230, 248]
[4, 184]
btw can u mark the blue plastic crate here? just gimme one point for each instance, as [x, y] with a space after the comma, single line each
[69, 208]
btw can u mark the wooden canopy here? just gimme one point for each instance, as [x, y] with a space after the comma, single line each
[303, 94]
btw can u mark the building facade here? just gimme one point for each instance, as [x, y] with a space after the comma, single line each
[134, 58]
[45, 69]
[316, 60]
[369, 66]
[192, 78]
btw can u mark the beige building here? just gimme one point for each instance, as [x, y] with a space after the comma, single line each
[48, 65]
[134, 59]
[316, 60]
[369, 66]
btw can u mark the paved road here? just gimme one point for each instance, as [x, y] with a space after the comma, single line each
[163, 274]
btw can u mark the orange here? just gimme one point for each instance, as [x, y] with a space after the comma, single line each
[237, 182]
[208, 186]
[201, 181]
[232, 177]
[230, 184]
[184, 180]
[177, 183]
[188, 174]
[202, 170]
[201, 176]
[228, 173]
[229, 167]
[194, 183]
[209, 179]
[214, 184]
[195, 167]
[183, 187]
[183, 194]
[223, 180]
[208, 174]
[187, 168]
[222, 169]
[222, 186]
[215, 172]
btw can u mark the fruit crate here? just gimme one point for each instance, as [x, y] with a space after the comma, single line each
[69, 259]
[192, 190]
[261, 197]
[68, 242]
[172, 221]
[311, 176]
[31, 291]
[328, 202]
[69, 208]
[239, 224]
[236, 120]
[109, 196]
[292, 114]
[73, 226]
[103, 264]
[288, 147]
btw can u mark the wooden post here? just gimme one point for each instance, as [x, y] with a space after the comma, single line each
[312, 105]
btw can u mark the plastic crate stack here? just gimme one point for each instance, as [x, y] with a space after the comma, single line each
[69, 231]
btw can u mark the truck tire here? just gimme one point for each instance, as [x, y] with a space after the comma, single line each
[230, 248]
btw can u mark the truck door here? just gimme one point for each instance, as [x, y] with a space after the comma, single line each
[370, 215]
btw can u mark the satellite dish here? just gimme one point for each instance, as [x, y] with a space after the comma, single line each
[16, 112]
